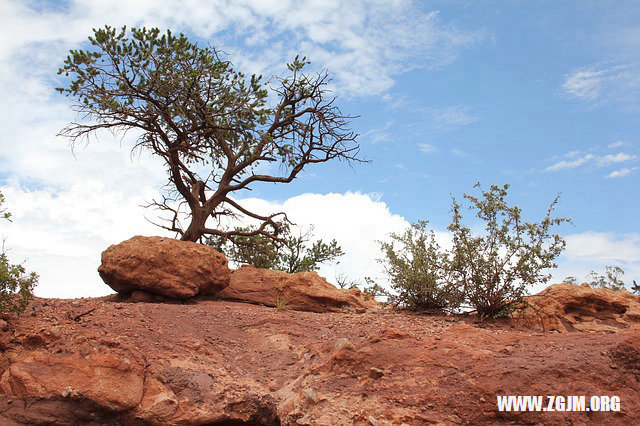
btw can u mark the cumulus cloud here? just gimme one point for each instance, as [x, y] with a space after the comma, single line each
[357, 221]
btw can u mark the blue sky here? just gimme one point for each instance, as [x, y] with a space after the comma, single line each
[542, 95]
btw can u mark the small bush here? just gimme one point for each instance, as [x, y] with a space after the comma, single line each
[16, 286]
[495, 268]
[419, 271]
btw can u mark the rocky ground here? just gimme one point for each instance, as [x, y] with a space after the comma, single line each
[112, 361]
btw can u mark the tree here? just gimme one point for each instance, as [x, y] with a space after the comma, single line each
[420, 271]
[214, 128]
[289, 253]
[635, 288]
[496, 267]
[16, 286]
[612, 278]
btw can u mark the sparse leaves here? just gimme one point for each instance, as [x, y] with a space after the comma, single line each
[612, 278]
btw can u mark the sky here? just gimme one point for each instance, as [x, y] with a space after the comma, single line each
[541, 95]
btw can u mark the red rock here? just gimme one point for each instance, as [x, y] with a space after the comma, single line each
[109, 381]
[164, 266]
[220, 362]
[303, 291]
[568, 307]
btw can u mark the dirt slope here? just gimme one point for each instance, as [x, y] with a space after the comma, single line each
[100, 361]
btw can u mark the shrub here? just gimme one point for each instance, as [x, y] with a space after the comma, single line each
[612, 278]
[419, 271]
[289, 253]
[16, 286]
[496, 267]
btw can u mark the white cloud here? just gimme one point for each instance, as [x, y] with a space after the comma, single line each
[61, 233]
[453, 116]
[562, 165]
[427, 148]
[620, 172]
[618, 144]
[600, 84]
[580, 160]
[620, 157]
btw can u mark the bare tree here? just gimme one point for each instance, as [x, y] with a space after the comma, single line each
[211, 125]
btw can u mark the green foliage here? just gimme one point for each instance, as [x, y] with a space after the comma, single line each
[419, 271]
[289, 253]
[16, 286]
[489, 271]
[612, 278]
[496, 267]
[570, 280]
[635, 288]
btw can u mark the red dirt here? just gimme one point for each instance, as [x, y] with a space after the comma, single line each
[217, 362]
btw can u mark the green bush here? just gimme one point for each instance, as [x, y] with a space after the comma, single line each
[419, 271]
[488, 271]
[290, 253]
[496, 267]
[612, 278]
[16, 286]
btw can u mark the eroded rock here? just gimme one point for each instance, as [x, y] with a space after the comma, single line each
[164, 266]
[567, 307]
[303, 291]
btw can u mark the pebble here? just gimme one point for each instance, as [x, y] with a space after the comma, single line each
[311, 396]
[344, 344]
[375, 373]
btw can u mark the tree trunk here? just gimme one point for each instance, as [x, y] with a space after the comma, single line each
[196, 228]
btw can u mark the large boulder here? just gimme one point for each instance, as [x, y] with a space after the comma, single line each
[302, 291]
[568, 307]
[164, 266]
